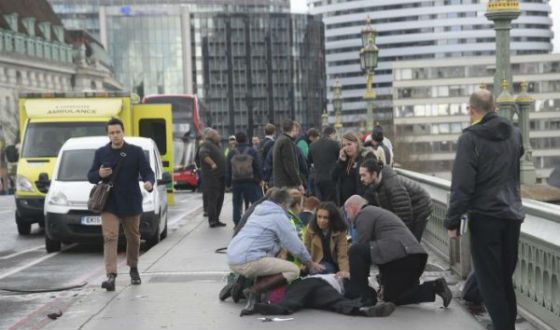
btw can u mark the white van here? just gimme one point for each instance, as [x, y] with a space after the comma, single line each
[67, 218]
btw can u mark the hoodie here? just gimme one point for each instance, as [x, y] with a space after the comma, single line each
[486, 173]
[267, 230]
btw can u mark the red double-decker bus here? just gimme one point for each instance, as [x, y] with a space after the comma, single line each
[187, 112]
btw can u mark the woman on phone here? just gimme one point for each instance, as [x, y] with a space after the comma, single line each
[346, 172]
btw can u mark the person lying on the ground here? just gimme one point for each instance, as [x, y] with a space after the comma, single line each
[325, 292]
[325, 239]
[252, 251]
[384, 240]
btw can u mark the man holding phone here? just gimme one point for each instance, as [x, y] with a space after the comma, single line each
[126, 162]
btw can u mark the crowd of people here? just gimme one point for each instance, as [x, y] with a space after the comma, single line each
[320, 212]
[311, 215]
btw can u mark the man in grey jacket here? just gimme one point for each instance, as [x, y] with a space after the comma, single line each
[384, 240]
[252, 252]
[285, 168]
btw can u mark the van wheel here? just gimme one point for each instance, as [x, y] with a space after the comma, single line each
[152, 241]
[24, 228]
[52, 245]
[164, 232]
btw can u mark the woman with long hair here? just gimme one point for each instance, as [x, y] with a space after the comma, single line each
[346, 172]
[325, 239]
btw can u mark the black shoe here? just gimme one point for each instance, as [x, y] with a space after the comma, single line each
[252, 299]
[443, 291]
[109, 283]
[135, 276]
[379, 310]
[225, 292]
[237, 289]
[217, 224]
[205, 214]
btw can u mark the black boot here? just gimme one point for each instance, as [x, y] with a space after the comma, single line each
[442, 290]
[135, 276]
[379, 310]
[109, 283]
[262, 284]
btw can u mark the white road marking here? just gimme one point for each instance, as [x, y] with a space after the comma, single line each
[36, 261]
[21, 252]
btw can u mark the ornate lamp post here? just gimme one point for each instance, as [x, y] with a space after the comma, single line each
[337, 104]
[368, 61]
[502, 12]
[324, 119]
[505, 101]
[525, 104]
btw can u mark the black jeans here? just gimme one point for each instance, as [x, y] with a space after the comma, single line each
[494, 245]
[326, 191]
[248, 192]
[400, 277]
[214, 199]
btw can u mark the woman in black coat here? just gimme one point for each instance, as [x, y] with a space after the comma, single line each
[346, 171]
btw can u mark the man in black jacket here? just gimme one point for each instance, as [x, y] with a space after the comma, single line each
[485, 185]
[243, 175]
[285, 168]
[213, 166]
[384, 240]
[124, 204]
[323, 155]
[268, 141]
[410, 202]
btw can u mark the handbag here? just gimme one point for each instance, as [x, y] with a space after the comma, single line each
[100, 192]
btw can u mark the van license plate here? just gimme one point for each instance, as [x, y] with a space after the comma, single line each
[91, 221]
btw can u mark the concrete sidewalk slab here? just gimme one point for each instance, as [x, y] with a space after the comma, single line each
[182, 277]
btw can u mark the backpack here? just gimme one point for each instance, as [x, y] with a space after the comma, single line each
[242, 166]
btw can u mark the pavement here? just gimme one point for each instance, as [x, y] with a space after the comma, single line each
[182, 277]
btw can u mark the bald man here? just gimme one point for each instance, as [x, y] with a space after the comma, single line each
[485, 185]
[213, 164]
[384, 240]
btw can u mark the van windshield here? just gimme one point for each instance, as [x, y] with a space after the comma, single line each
[75, 164]
[45, 139]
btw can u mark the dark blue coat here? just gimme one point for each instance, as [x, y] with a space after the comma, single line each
[125, 198]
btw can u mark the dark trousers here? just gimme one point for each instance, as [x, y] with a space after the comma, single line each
[248, 192]
[400, 277]
[317, 294]
[494, 244]
[214, 199]
[326, 191]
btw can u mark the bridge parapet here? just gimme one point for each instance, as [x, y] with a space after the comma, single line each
[537, 276]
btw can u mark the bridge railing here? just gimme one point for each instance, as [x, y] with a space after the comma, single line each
[537, 276]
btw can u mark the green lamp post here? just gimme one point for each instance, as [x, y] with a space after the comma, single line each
[368, 61]
[525, 104]
[337, 104]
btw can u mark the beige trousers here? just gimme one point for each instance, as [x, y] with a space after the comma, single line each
[267, 266]
[110, 226]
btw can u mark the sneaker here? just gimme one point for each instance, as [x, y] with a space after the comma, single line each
[379, 310]
[442, 290]
[217, 224]
[135, 276]
[109, 283]
[225, 292]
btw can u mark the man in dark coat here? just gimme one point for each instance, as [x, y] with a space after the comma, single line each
[285, 168]
[410, 202]
[244, 181]
[268, 141]
[124, 204]
[486, 186]
[213, 166]
[323, 155]
[385, 241]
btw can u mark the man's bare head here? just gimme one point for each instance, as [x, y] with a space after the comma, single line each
[481, 102]
[353, 205]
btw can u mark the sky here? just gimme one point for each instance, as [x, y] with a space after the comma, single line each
[300, 6]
